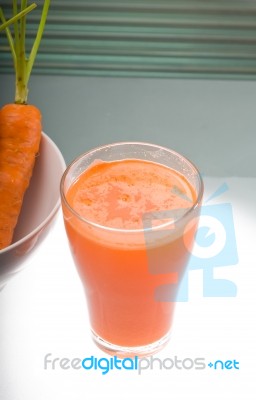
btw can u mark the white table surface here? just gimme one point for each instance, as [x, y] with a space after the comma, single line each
[43, 310]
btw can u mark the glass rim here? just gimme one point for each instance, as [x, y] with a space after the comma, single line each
[165, 225]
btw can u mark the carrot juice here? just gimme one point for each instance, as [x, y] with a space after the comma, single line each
[129, 227]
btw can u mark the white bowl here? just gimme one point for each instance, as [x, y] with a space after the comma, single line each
[41, 203]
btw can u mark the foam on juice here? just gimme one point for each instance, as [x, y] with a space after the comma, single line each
[117, 194]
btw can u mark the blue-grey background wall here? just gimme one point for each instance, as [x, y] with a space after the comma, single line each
[213, 122]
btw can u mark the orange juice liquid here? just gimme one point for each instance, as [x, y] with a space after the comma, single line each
[113, 256]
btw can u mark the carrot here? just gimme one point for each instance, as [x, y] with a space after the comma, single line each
[20, 132]
[20, 126]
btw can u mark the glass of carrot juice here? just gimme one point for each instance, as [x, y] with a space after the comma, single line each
[131, 212]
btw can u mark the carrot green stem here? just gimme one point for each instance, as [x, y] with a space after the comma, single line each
[9, 38]
[17, 16]
[21, 93]
[23, 28]
[37, 41]
[16, 25]
[23, 65]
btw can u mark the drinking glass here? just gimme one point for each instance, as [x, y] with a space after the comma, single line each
[131, 277]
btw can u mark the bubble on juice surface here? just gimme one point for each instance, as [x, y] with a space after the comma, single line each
[117, 194]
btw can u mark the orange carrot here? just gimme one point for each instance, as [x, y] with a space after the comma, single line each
[20, 133]
[20, 127]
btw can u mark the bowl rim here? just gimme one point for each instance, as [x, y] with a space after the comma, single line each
[49, 216]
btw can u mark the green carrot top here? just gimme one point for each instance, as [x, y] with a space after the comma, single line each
[22, 64]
